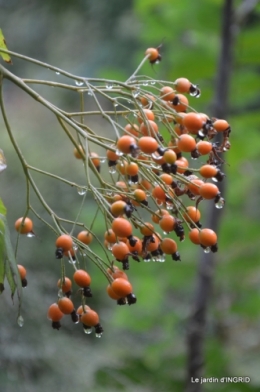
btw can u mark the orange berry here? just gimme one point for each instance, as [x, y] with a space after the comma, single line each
[133, 130]
[110, 236]
[64, 241]
[132, 169]
[64, 284]
[137, 247]
[149, 128]
[194, 236]
[186, 143]
[193, 122]
[167, 93]
[120, 250]
[23, 225]
[147, 229]
[192, 214]
[90, 318]
[167, 223]
[81, 310]
[121, 287]
[118, 208]
[122, 227]
[208, 190]
[54, 313]
[204, 147]
[208, 237]
[168, 246]
[117, 273]
[111, 293]
[182, 85]
[180, 103]
[85, 236]
[81, 278]
[153, 245]
[208, 171]
[147, 114]
[194, 186]
[125, 144]
[166, 178]
[221, 125]
[156, 218]
[79, 152]
[170, 156]
[22, 271]
[140, 195]
[65, 305]
[112, 156]
[148, 144]
[182, 165]
[153, 54]
[158, 193]
[95, 160]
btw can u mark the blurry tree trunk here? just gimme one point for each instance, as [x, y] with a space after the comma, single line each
[231, 23]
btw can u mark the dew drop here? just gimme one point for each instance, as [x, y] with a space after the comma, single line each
[153, 82]
[169, 206]
[207, 249]
[3, 164]
[79, 83]
[20, 321]
[119, 153]
[60, 293]
[98, 335]
[81, 191]
[87, 331]
[90, 93]
[220, 203]
[116, 104]
[30, 234]
[136, 93]
[165, 232]
[57, 73]
[214, 179]
[109, 86]
[112, 170]
[145, 83]
[147, 260]
[102, 160]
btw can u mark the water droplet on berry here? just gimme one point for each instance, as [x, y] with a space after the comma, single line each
[20, 321]
[30, 234]
[98, 335]
[207, 249]
[79, 83]
[220, 203]
[102, 160]
[169, 206]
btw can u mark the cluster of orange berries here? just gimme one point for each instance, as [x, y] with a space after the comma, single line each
[156, 178]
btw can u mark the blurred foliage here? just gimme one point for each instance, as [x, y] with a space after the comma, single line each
[143, 347]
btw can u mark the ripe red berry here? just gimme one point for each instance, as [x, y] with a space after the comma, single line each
[64, 241]
[121, 287]
[82, 278]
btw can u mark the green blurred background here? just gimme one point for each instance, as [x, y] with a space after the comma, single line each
[143, 348]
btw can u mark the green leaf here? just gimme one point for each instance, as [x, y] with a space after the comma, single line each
[5, 56]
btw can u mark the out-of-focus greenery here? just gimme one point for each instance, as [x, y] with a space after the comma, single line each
[143, 347]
